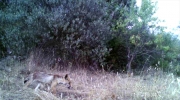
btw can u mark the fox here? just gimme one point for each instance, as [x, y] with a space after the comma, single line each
[47, 79]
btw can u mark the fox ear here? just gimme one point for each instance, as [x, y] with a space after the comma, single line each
[66, 76]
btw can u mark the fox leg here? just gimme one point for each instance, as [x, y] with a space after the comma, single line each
[37, 87]
[53, 86]
[48, 88]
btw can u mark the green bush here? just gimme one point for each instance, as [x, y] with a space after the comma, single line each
[16, 36]
[81, 30]
[112, 33]
[75, 30]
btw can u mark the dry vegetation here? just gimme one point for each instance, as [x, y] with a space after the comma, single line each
[92, 86]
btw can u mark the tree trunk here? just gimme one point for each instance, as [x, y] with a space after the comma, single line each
[130, 59]
[129, 63]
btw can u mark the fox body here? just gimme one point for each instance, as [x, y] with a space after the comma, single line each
[47, 79]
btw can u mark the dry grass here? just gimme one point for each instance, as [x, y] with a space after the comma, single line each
[109, 86]
[93, 86]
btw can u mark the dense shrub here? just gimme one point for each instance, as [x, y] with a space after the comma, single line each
[16, 36]
[75, 30]
[82, 28]
[114, 34]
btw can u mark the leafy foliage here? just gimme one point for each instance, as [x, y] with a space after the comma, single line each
[114, 34]
[15, 36]
[74, 30]
[168, 47]
[137, 39]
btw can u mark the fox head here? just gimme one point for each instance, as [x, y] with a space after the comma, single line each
[68, 79]
[64, 80]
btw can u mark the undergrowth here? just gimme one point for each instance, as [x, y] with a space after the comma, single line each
[93, 86]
